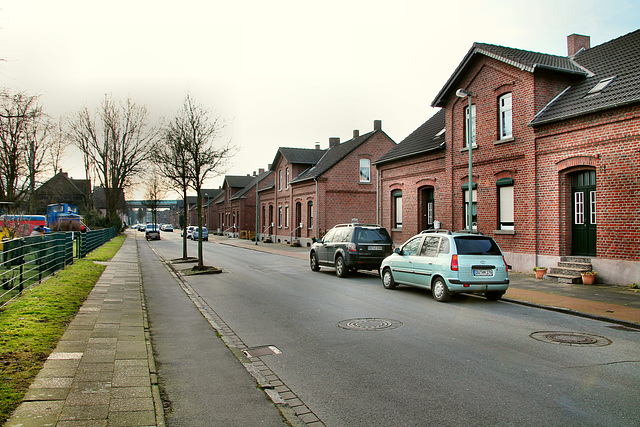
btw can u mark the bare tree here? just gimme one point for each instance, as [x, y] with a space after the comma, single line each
[22, 145]
[155, 192]
[117, 145]
[206, 161]
[36, 150]
[57, 146]
[173, 161]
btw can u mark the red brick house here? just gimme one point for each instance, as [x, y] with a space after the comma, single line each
[556, 154]
[229, 213]
[313, 190]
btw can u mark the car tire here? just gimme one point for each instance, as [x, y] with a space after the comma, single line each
[440, 291]
[493, 296]
[206, 240]
[341, 268]
[387, 279]
[313, 262]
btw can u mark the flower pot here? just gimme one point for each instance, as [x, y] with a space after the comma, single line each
[588, 279]
[540, 273]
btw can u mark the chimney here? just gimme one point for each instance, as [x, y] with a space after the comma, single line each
[356, 133]
[317, 145]
[333, 141]
[576, 42]
[269, 166]
[377, 125]
[254, 173]
[261, 171]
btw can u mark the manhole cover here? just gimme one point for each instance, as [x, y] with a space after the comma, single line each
[571, 338]
[369, 324]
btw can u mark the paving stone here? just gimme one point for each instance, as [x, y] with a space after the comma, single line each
[131, 404]
[85, 412]
[136, 418]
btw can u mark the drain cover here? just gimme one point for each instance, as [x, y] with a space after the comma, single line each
[369, 324]
[571, 338]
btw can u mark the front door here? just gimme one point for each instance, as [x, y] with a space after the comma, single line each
[426, 208]
[583, 197]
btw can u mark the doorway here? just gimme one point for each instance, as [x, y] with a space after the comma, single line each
[584, 213]
[426, 209]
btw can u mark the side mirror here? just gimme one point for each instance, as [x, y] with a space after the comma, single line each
[397, 251]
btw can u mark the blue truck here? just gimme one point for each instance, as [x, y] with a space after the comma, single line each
[65, 217]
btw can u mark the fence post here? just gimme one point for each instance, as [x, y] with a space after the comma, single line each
[21, 260]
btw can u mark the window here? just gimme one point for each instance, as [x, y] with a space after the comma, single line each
[310, 214]
[412, 246]
[287, 181]
[430, 246]
[505, 119]
[505, 204]
[397, 208]
[592, 197]
[279, 216]
[474, 208]
[280, 180]
[365, 170]
[286, 216]
[602, 84]
[264, 217]
[473, 126]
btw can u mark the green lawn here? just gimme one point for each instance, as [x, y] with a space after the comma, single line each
[31, 326]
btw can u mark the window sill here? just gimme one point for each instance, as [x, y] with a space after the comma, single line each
[365, 182]
[465, 149]
[396, 229]
[504, 141]
[505, 232]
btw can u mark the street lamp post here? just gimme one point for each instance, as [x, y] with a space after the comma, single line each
[206, 224]
[462, 93]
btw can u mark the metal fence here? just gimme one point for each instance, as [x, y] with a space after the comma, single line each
[24, 262]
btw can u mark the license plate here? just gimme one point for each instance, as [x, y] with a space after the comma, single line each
[483, 272]
[375, 248]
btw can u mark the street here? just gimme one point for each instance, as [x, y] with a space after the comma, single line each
[358, 354]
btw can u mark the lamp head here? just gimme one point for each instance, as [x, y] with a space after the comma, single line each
[463, 93]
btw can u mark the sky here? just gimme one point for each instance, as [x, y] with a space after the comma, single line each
[280, 73]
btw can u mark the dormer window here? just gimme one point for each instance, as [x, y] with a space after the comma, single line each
[602, 84]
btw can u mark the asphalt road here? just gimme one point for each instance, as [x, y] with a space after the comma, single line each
[469, 361]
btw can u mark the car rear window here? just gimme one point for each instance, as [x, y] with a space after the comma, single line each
[372, 235]
[473, 245]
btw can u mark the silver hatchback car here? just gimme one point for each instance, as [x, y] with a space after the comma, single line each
[448, 263]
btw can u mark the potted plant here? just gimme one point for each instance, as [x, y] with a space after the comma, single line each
[540, 272]
[589, 277]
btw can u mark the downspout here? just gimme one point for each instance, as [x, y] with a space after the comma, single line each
[316, 207]
[535, 190]
[377, 195]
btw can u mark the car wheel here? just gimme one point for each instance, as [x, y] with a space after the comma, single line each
[440, 291]
[341, 269]
[313, 262]
[206, 240]
[387, 279]
[493, 296]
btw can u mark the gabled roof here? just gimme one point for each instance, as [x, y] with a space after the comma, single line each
[299, 156]
[619, 58]
[429, 136]
[252, 185]
[237, 181]
[523, 59]
[332, 156]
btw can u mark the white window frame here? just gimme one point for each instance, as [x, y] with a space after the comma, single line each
[474, 208]
[505, 115]
[365, 170]
[310, 213]
[280, 180]
[592, 200]
[578, 201]
[473, 125]
[397, 209]
[286, 216]
[506, 208]
[287, 179]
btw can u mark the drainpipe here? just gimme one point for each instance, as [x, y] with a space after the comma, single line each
[377, 195]
[317, 203]
[535, 171]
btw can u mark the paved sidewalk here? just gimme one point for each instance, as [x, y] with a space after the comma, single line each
[617, 304]
[102, 371]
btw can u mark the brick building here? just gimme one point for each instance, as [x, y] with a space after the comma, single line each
[313, 190]
[556, 148]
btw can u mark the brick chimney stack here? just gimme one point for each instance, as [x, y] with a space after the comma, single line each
[334, 141]
[356, 133]
[377, 125]
[575, 42]
[261, 171]
[317, 145]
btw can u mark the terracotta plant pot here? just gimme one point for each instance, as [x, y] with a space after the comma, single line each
[540, 273]
[588, 279]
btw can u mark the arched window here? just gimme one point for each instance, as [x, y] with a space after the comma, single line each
[505, 116]
[505, 204]
[396, 197]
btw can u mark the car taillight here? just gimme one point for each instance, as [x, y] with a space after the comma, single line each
[505, 263]
[454, 263]
[352, 247]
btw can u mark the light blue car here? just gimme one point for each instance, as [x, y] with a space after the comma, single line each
[448, 263]
[196, 234]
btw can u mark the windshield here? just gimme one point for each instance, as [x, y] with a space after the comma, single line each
[474, 245]
[372, 235]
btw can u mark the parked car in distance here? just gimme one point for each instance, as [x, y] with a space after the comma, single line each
[448, 263]
[351, 247]
[168, 227]
[196, 234]
[142, 227]
[152, 232]
[188, 231]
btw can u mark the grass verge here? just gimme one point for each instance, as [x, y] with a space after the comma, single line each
[31, 326]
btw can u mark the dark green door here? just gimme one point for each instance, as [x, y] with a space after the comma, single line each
[583, 196]
[426, 208]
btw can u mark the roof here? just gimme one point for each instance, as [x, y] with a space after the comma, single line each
[619, 58]
[300, 156]
[256, 179]
[237, 181]
[332, 156]
[428, 137]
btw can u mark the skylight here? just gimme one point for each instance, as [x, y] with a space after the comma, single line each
[440, 133]
[602, 84]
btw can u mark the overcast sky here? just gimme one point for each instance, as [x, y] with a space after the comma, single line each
[280, 73]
